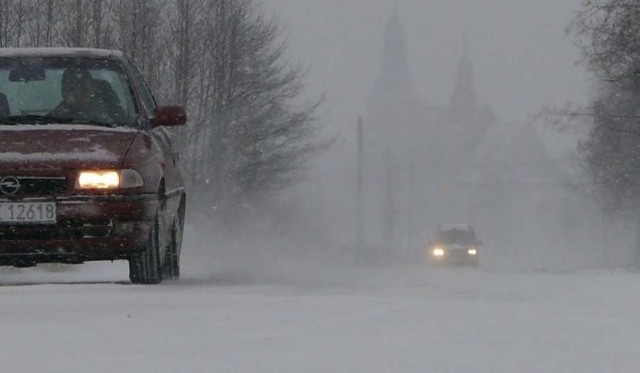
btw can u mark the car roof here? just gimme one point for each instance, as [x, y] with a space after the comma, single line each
[455, 226]
[62, 52]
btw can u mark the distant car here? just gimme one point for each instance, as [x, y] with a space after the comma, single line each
[87, 170]
[454, 245]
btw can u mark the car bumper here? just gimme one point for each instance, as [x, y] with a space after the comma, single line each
[454, 259]
[87, 228]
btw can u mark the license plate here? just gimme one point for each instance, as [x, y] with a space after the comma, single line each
[27, 212]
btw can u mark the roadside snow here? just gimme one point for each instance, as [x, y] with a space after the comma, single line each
[393, 320]
[272, 314]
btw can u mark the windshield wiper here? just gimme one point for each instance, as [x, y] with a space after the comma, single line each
[9, 121]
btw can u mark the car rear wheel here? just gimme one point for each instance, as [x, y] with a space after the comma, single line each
[172, 262]
[144, 267]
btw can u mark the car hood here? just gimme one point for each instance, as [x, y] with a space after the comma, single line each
[63, 146]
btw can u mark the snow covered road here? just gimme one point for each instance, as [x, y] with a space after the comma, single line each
[368, 321]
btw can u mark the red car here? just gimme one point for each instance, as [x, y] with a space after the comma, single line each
[87, 169]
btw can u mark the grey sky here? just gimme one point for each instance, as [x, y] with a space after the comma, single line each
[521, 55]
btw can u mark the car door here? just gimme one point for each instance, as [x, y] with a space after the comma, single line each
[164, 147]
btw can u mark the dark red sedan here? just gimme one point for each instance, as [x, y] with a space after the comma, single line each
[87, 169]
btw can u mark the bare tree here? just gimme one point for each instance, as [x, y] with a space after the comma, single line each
[224, 60]
[49, 26]
[608, 31]
[77, 29]
[251, 137]
[611, 152]
[185, 28]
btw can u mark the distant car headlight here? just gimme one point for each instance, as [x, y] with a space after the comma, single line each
[473, 251]
[438, 251]
[109, 179]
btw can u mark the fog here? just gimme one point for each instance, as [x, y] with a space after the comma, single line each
[521, 55]
[515, 178]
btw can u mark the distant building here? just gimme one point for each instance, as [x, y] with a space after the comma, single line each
[419, 155]
[429, 165]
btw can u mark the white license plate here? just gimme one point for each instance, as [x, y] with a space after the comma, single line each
[28, 212]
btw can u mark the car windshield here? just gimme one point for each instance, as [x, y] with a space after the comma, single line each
[46, 90]
[456, 236]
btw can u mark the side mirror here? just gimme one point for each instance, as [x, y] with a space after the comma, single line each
[169, 116]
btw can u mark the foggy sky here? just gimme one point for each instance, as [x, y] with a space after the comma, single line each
[522, 58]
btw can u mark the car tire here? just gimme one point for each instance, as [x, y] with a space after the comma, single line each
[144, 267]
[172, 261]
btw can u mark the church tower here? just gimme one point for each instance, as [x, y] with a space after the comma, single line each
[393, 103]
[463, 99]
[467, 119]
[394, 113]
[394, 81]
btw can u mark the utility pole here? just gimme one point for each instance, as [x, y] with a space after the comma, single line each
[408, 249]
[359, 191]
[390, 207]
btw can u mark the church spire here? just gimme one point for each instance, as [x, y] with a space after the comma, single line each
[394, 79]
[464, 97]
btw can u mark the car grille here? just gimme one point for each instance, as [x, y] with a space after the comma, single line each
[458, 253]
[34, 186]
[61, 231]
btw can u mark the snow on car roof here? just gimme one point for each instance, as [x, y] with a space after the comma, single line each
[61, 52]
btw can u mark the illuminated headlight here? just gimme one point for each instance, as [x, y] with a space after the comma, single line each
[438, 252]
[109, 179]
[473, 251]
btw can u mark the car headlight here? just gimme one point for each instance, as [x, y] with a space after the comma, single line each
[109, 179]
[438, 251]
[473, 251]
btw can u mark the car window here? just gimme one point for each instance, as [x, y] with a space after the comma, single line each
[120, 84]
[458, 236]
[148, 100]
[65, 90]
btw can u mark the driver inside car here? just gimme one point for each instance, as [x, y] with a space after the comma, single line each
[79, 97]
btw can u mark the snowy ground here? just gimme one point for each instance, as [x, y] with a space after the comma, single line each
[373, 320]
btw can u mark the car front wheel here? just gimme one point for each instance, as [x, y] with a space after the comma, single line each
[144, 267]
[172, 262]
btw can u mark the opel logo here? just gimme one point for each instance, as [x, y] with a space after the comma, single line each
[9, 185]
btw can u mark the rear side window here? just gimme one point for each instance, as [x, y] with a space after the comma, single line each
[146, 97]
